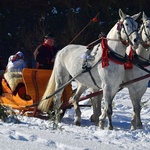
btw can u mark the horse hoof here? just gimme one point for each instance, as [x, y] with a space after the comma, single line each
[101, 124]
[139, 127]
[92, 118]
[77, 123]
[110, 128]
[133, 128]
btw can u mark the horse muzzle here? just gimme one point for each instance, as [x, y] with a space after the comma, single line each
[135, 40]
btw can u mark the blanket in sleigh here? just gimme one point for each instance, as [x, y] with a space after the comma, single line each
[13, 79]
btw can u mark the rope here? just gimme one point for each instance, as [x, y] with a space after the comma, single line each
[64, 85]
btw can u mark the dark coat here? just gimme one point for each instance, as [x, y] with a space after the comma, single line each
[45, 56]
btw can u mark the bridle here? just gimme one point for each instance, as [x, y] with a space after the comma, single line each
[142, 62]
[120, 26]
[143, 28]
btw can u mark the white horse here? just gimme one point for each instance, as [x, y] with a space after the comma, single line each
[68, 62]
[137, 89]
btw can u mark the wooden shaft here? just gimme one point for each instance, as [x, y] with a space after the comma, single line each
[83, 29]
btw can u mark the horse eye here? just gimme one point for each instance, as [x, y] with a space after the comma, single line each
[147, 26]
[126, 24]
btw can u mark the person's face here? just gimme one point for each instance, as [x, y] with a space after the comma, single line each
[50, 42]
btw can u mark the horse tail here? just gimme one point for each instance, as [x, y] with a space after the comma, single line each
[45, 104]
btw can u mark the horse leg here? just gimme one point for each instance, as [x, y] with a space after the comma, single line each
[107, 110]
[136, 118]
[56, 107]
[61, 78]
[109, 114]
[80, 90]
[96, 103]
[102, 118]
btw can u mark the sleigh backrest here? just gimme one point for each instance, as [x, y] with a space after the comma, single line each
[35, 81]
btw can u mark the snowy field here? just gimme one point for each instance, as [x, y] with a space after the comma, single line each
[37, 134]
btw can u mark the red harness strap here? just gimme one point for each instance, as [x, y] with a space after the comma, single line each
[129, 65]
[105, 56]
[105, 49]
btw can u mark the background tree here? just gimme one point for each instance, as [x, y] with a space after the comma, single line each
[23, 23]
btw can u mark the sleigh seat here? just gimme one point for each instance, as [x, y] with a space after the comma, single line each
[34, 82]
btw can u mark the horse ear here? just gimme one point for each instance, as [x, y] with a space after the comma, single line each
[136, 16]
[121, 14]
[144, 17]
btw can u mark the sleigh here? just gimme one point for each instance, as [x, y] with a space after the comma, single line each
[33, 83]
[29, 89]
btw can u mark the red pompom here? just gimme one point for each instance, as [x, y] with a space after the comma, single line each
[94, 20]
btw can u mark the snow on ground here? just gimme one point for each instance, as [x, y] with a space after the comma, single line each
[33, 133]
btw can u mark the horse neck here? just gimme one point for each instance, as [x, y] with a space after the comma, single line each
[143, 52]
[115, 43]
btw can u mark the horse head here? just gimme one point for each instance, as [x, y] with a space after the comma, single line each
[145, 31]
[128, 29]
